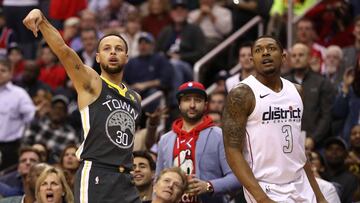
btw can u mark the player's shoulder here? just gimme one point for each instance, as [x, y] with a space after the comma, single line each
[241, 93]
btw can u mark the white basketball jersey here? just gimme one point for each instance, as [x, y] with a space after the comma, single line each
[275, 147]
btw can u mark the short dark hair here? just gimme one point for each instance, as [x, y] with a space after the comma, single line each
[246, 44]
[271, 37]
[146, 155]
[116, 35]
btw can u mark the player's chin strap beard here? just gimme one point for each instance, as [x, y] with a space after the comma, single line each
[109, 70]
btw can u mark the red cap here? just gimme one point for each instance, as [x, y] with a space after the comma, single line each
[191, 87]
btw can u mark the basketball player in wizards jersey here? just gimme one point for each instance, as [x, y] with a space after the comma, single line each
[262, 125]
[108, 110]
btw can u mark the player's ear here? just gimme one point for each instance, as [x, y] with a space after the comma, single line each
[97, 57]
[284, 56]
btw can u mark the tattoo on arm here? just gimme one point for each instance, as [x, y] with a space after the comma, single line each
[77, 66]
[239, 105]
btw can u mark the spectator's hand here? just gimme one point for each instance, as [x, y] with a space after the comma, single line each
[196, 187]
[154, 118]
[33, 20]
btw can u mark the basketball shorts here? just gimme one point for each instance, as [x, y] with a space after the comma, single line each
[95, 183]
[298, 191]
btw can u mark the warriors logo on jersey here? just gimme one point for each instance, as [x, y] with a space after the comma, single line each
[118, 125]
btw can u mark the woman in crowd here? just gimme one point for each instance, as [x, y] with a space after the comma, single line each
[51, 186]
[69, 163]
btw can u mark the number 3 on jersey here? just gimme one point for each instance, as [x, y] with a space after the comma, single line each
[288, 145]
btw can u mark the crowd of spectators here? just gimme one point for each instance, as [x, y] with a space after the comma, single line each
[40, 126]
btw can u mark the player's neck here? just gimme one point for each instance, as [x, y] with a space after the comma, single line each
[273, 82]
[115, 78]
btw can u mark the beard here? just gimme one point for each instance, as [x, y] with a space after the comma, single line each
[191, 119]
[114, 70]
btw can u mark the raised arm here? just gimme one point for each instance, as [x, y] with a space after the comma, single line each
[239, 104]
[84, 78]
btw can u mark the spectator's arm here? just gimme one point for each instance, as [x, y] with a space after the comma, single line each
[228, 183]
[325, 105]
[152, 123]
[26, 107]
[223, 22]
[161, 157]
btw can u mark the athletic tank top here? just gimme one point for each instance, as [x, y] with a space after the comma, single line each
[109, 126]
[275, 146]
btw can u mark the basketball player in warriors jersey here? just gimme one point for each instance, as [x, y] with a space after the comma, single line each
[261, 127]
[108, 110]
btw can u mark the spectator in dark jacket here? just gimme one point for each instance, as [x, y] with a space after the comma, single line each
[318, 94]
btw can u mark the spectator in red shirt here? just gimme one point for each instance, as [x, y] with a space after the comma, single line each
[51, 72]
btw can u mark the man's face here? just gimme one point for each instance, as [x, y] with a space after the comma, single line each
[355, 137]
[305, 32]
[88, 20]
[89, 40]
[179, 14]
[145, 48]
[192, 107]
[356, 31]
[300, 56]
[47, 56]
[169, 187]
[143, 175]
[15, 56]
[332, 61]
[335, 154]
[5, 74]
[217, 102]
[267, 56]
[31, 73]
[245, 58]
[26, 161]
[58, 112]
[112, 54]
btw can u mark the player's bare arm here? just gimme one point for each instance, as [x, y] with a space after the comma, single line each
[239, 104]
[86, 81]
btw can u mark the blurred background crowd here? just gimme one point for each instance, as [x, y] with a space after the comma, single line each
[40, 121]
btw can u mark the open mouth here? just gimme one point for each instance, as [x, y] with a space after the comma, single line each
[113, 60]
[267, 61]
[138, 176]
[50, 197]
